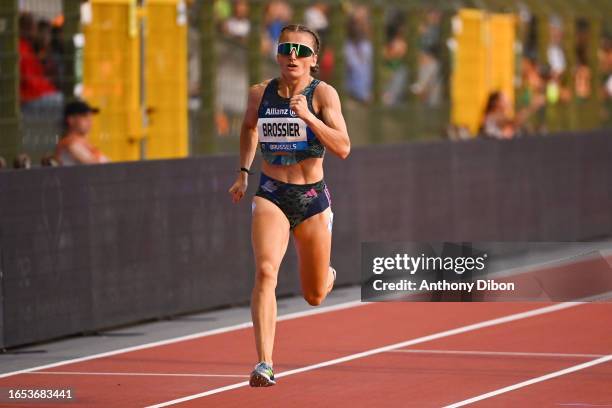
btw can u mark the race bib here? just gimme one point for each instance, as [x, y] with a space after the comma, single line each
[282, 134]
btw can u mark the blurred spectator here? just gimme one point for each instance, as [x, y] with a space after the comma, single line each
[531, 82]
[428, 86]
[394, 54]
[49, 47]
[556, 61]
[2, 163]
[429, 32]
[22, 161]
[582, 76]
[555, 54]
[277, 15]
[74, 148]
[48, 160]
[532, 88]
[530, 43]
[238, 25]
[498, 123]
[37, 92]
[358, 55]
[42, 46]
[194, 51]
[315, 17]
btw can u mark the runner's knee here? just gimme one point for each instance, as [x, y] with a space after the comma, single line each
[314, 297]
[266, 274]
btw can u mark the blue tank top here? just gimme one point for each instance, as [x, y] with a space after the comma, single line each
[280, 130]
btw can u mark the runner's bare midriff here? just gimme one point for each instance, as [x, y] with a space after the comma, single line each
[305, 172]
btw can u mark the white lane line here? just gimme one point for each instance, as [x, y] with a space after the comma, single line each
[288, 316]
[498, 353]
[513, 387]
[136, 374]
[435, 336]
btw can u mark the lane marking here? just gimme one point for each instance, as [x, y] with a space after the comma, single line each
[245, 325]
[435, 336]
[136, 374]
[498, 353]
[542, 378]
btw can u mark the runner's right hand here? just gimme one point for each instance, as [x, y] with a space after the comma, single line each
[239, 187]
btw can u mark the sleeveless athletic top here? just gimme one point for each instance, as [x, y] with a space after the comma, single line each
[280, 130]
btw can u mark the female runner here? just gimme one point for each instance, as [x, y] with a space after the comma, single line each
[293, 119]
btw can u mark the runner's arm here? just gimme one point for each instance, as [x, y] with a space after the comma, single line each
[331, 131]
[248, 131]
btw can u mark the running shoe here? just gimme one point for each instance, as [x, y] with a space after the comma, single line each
[333, 273]
[262, 376]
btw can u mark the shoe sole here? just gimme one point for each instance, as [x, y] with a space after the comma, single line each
[258, 380]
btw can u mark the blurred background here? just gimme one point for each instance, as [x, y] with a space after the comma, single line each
[170, 77]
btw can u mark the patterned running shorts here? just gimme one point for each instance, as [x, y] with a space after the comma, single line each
[297, 201]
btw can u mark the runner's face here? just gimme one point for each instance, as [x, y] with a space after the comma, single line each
[291, 65]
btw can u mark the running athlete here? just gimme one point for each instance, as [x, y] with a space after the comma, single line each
[293, 118]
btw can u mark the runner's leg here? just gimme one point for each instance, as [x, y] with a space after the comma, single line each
[270, 236]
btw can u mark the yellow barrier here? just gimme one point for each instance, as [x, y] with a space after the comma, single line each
[502, 29]
[484, 63]
[111, 77]
[166, 78]
[112, 80]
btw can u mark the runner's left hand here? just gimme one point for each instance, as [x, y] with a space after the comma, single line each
[299, 105]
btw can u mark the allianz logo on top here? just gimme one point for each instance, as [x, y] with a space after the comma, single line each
[280, 111]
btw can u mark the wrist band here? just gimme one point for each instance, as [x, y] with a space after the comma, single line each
[246, 170]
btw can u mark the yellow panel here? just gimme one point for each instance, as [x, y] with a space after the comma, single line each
[110, 77]
[484, 63]
[502, 28]
[469, 77]
[166, 79]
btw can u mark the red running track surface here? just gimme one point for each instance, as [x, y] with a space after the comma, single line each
[387, 379]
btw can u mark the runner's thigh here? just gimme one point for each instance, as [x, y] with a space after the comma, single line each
[269, 236]
[313, 238]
